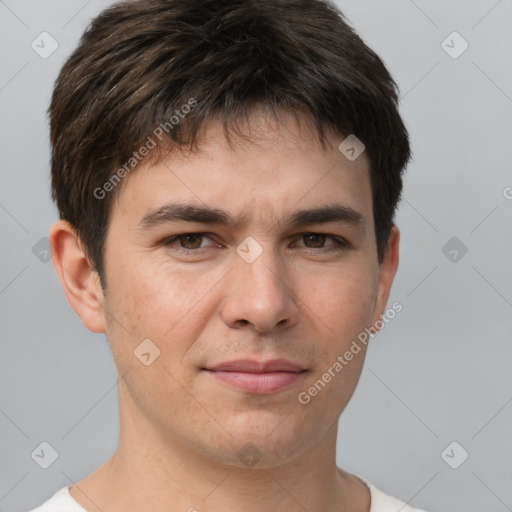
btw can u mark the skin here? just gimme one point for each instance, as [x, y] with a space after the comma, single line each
[181, 431]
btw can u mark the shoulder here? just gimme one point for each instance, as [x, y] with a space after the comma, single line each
[382, 502]
[61, 501]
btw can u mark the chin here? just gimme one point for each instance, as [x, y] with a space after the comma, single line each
[262, 441]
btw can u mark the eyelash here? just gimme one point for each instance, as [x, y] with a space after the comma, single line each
[339, 245]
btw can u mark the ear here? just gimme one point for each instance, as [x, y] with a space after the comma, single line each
[80, 283]
[387, 272]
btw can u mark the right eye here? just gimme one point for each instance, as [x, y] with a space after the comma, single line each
[187, 242]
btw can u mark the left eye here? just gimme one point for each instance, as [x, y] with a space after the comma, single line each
[339, 243]
[191, 242]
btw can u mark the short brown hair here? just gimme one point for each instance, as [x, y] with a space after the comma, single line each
[140, 61]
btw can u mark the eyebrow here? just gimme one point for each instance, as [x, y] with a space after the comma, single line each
[178, 212]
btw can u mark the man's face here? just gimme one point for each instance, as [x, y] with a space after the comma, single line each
[259, 291]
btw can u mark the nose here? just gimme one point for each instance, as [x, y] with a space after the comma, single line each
[260, 294]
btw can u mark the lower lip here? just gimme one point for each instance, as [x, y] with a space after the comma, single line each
[258, 383]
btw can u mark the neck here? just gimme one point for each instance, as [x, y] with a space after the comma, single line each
[149, 471]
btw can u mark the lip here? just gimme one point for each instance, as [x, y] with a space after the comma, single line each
[258, 377]
[253, 366]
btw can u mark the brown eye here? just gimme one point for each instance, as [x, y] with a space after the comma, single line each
[317, 239]
[186, 242]
[192, 241]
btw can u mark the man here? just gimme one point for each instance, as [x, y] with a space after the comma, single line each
[226, 174]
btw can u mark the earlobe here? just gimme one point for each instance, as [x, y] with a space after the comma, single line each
[387, 273]
[79, 281]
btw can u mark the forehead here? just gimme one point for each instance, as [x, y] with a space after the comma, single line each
[276, 170]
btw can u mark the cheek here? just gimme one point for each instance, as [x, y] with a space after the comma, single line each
[343, 302]
[168, 304]
[156, 304]
[347, 308]
[147, 297]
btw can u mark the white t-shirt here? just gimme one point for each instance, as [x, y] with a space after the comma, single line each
[62, 501]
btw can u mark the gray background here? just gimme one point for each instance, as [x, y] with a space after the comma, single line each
[440, 372]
